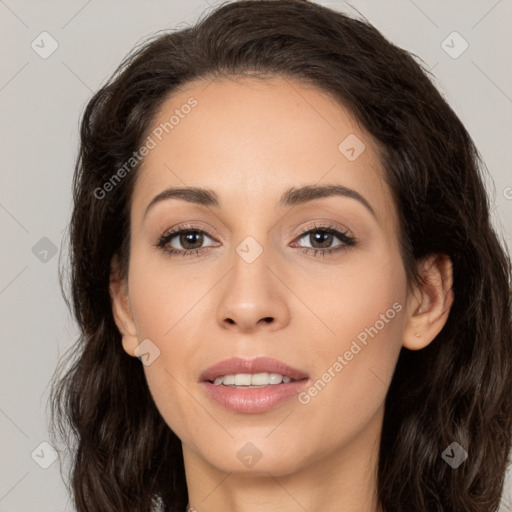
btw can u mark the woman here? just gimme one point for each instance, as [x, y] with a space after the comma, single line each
[289, 291]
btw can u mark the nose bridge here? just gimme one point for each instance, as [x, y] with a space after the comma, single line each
[250, 267]
[252, 292]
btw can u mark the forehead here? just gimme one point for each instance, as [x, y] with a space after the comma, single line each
[251, 139]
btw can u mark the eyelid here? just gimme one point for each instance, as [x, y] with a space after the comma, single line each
[173, 232]
[343, 234]
[188, 226]
[327, 226]
[318, 224]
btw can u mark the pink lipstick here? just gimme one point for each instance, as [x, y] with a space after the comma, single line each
[252, 385]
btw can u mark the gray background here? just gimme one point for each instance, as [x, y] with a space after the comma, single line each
[41, 102]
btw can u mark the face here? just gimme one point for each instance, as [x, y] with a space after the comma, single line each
[309, 286]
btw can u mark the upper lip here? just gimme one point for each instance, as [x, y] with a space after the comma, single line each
[260, 364]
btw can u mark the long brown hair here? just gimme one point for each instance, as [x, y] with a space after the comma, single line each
[457, 389]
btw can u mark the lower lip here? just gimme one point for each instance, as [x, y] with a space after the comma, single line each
[253, 400]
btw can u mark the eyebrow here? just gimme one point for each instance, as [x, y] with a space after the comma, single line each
[291, 197]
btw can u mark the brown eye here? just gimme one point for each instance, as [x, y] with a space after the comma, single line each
[190, 239]
[322, 238]
[185, 241]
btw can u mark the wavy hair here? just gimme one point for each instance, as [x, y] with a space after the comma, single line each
[457, 389]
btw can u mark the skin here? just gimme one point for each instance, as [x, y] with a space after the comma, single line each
[250, 140]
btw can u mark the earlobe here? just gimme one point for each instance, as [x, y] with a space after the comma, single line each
[429, 303]
[121, 309]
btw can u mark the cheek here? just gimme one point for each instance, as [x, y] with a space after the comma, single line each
[356, 357]
[164, 301]
[162, 294]
[361, 299]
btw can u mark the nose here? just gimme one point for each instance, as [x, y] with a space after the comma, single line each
[253, 297]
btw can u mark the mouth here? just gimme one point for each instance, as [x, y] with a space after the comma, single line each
[254, 380]
[259, 371]
[252, 385]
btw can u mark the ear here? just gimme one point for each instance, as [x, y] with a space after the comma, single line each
[121, 308]
[429, 302]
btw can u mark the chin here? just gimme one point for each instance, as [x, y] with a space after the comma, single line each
[256, 457]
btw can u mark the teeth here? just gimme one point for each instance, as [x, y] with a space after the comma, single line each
[242, 379]
[248, 379]
[260, 379]
[230, 379]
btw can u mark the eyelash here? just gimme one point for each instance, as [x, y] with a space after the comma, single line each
[343, 236]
